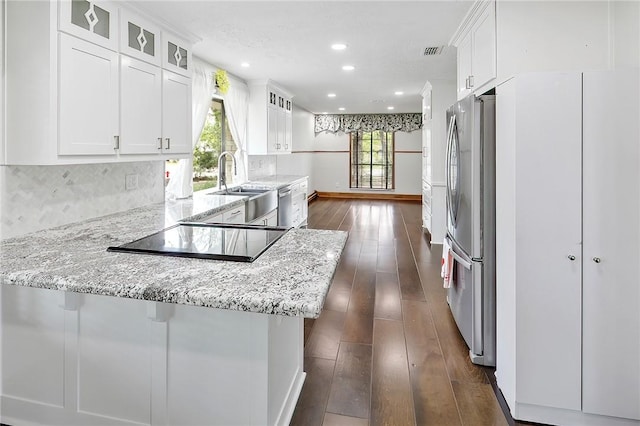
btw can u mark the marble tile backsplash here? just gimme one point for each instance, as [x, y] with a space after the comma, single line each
[262, 165]
[39, 197]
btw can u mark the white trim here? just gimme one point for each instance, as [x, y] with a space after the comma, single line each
[467, 22]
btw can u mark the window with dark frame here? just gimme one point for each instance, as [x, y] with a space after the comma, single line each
[372, 160]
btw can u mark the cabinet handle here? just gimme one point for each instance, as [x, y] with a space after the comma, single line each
[116, 142]
[159, 143]
[470, 82]
[597, 259]
[168, 143]
[571, 257]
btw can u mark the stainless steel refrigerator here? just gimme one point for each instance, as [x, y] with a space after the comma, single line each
[470, 178]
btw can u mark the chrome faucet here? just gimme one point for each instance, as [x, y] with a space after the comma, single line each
[222, 173]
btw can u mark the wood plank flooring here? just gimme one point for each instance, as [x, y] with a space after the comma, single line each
[386, 350]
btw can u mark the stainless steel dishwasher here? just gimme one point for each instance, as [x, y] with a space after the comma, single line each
[284, 207]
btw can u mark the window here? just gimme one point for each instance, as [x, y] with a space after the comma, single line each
[214, 139]
[372, 158]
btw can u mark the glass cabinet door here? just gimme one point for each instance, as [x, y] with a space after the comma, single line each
[176, 56]
[94, 21]
[139, 38]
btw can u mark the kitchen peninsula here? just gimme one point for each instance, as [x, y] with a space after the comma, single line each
[94, 337]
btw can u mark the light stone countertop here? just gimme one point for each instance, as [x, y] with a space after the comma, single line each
[291, 278]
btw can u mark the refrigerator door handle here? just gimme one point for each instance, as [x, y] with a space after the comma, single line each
[460, 260]
[448, 164]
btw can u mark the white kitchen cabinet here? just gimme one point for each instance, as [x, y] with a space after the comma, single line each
[611, 249]
[567, 245]
[433, 155]
[93, 21]
[270, 219]
[85, 359]
[270, 129]
[87, 98]
[299, 203]
[234, 215]
[97, 103]
[475, 40]
[141, 107]
[464, 58]
[176, 114]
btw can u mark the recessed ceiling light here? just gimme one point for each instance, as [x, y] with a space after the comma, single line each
[399, 93]
[338, 46]
[245, 65]
[348, 67]
[331, 95]
[341, 108]
[389, 107]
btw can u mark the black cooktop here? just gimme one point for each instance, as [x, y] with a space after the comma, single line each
[238, 243]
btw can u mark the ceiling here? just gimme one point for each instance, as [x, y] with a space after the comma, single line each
[289, 42]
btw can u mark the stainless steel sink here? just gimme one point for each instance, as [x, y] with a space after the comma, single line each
[259, 201]
[242, 190]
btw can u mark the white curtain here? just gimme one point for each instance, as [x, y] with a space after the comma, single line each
[236, 107]
[202, 88]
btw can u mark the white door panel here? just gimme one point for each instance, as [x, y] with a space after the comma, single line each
[612, 234]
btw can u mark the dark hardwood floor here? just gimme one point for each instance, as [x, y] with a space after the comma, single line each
[386, 350]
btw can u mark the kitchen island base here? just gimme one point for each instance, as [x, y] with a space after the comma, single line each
[84, 359]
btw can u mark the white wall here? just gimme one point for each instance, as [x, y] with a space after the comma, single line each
[40, 197]
[325, 158]
[625, 18]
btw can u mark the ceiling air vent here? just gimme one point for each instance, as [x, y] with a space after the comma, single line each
[430, 51]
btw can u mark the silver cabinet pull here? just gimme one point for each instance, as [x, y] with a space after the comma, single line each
[159, 143]
[470, 82]
[116, 142]
[571, 257]
[597, 259]
[168, 143]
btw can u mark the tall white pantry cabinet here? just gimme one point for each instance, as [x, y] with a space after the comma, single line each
[568, 247]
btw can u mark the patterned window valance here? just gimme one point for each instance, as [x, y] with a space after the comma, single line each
[367, 122]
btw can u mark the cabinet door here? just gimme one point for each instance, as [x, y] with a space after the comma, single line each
[272, 129]
[548, 186]
[288, 132]
[94, 21]
[483, 66]
[611, 208]
[272, 218]
[139, 38]
[282, 126]
[176, 54]
[140, 107]
[176, 113]
[87, 98]
[235, 215]
[464, 66]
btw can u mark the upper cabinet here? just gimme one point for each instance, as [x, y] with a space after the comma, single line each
[103, 91]
[475, 40]
[270, 118]
[94, 21]
[139, 38]
[176, 54]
